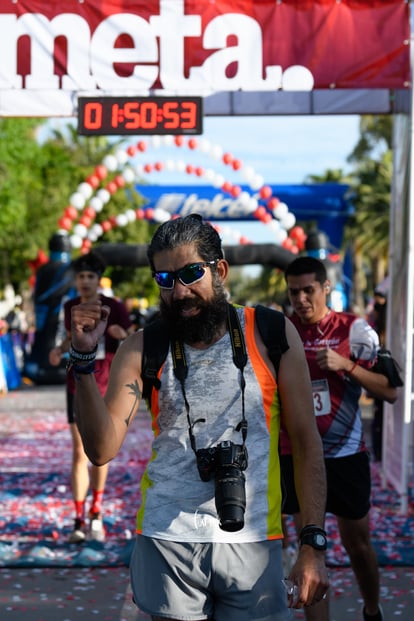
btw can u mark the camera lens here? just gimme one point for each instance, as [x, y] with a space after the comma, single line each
[230, 497]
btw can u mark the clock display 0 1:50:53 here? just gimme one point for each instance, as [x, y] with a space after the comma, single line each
[139, 115]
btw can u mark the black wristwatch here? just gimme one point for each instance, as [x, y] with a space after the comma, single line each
[314, 536]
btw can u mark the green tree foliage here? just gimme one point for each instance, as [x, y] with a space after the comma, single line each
[37, 179]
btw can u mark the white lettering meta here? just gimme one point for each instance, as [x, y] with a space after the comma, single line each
[91, 58]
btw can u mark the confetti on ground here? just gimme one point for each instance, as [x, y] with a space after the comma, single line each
[36, 510]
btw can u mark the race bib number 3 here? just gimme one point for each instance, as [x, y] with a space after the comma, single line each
[321, 397]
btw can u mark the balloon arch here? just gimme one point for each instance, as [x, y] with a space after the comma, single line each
[118, 171]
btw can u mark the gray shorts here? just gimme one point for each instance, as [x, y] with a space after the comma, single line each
[220, 581]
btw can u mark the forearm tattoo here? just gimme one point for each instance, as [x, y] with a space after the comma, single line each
[134, 390]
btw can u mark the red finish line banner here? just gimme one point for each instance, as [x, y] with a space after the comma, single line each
[200, 47]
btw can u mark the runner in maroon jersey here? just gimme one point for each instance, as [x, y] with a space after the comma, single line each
[341, 350]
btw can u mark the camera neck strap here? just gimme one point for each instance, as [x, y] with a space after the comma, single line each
[239, 359]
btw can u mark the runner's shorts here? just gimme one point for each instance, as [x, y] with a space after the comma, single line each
[192, 581]
[348, 486]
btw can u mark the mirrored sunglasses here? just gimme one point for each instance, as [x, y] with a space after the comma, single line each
[187, 275]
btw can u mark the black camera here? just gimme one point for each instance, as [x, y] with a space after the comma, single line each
[226, 461]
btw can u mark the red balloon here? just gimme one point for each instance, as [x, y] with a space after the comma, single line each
[227, 158]
[236, 191]
[111, 187]
[226, 187]
[139, 213]
[189, 169]
[243, 240]
[259, 212]
[89, 212]
[192, 143]
[119, 181]
[273, 202]
[288, 243]
[85, 220]
[71, 212]
[65, 223]
[106, 226]
[131, 150]
[236, 164]
[149, 214]
[158, 166]
[101, 171]
[199, 171]
[148, 168]
[265, 192]
[93, 181]
[86, 246]
[179, 141]
[112, 220]
[142, 145]
[297, 233]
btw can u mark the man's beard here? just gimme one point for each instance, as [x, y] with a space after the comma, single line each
[200, 328]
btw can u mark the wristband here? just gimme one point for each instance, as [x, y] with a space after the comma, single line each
[84, 369]
[80, 356]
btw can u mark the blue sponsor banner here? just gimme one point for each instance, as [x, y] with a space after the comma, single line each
[328, 204]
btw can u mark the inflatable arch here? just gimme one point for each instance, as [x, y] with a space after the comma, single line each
[125, 167]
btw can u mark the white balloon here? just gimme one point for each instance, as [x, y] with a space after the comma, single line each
[247, 173]
[81, 230]
[85, 189]
[169, 165]
[155, 141]
[104, 195]
[131, 215]
[77, 200]
[218, 181]
[288, 221]
[92, 236]
[216, 151]
[274, 225]
[96, 204]
[280, 210]
[122, 157]
[168, 140]
[280, 236]
[204, 145]
[139, 170]
[161, 215]
[75, 241]
[128, 174]
[121, 219]
[110, 162]
[257, 182]
[180, 165]
[97, 229]
[209, 174]
[253, 204]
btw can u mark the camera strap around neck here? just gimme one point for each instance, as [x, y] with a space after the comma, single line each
[239, 359]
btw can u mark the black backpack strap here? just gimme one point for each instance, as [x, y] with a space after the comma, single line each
[156, 343]
[271, 324]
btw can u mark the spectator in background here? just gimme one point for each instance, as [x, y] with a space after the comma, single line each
[88, 272]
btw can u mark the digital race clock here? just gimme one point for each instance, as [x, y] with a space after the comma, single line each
[139, 115]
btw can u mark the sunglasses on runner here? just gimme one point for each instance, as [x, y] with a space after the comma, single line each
[187, 275]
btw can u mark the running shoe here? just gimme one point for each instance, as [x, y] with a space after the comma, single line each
[78, 534]
[96, 528]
